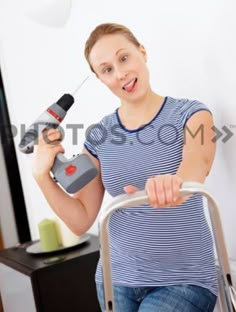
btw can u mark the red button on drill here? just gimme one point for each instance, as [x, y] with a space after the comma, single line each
[71, 169]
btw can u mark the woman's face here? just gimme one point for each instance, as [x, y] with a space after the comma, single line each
[121, 66]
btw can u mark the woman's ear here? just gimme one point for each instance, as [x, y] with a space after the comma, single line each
[143, 51]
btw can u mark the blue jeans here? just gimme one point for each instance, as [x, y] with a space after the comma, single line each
[179, 298]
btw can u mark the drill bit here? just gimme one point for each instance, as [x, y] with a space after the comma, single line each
[80, 85]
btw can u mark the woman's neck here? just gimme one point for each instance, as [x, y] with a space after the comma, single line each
[135, 114]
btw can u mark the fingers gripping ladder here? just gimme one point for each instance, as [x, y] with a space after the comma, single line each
[139, 198]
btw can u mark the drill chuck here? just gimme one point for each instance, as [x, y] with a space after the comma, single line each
[66, 101]
[51, 118]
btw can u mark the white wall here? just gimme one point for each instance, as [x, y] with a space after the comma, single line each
[7, 219]
[191, 48]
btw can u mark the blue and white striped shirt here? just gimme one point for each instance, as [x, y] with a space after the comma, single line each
[151, 246]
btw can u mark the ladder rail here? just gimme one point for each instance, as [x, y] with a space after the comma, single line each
[140, 198]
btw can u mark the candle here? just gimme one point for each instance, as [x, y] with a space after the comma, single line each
[66, 236]
[48, 235]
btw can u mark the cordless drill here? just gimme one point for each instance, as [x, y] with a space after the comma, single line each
[72, 174]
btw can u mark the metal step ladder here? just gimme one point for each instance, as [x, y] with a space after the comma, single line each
[224, 302]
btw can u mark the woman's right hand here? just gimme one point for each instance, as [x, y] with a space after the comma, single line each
[45, 152]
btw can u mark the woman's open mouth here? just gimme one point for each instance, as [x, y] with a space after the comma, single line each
[129, 87]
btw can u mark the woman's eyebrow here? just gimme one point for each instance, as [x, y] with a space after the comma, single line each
[117, 52]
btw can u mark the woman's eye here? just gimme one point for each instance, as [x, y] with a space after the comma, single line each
[107, 70]
[124, 58]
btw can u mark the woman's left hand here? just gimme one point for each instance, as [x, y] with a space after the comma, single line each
[162, 190]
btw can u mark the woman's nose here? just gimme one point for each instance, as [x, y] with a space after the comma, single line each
[121, 74]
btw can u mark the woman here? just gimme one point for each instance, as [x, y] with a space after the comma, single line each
[162, 252]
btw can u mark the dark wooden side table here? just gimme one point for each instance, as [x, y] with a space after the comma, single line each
[31, 283]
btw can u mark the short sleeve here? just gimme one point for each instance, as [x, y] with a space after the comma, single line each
[189, 108]
[94, 137]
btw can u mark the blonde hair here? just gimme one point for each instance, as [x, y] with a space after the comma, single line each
[107, 29]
